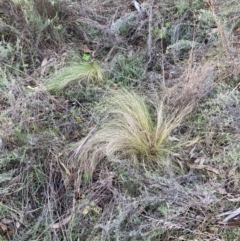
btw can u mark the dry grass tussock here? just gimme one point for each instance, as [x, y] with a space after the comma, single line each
[131, 131]
[85, 71]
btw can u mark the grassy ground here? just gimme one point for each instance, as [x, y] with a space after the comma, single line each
[119, 120]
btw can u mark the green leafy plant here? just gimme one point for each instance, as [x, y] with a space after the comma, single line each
[164, 209]
[85, 57]
[161, 33]
[42, 18]
[127, 70]
[184, 5]
[181, 6]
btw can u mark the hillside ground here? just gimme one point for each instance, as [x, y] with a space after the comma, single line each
[119, 120]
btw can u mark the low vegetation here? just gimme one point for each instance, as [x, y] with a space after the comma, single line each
[119, 120]
[130, 132]
[77, 72]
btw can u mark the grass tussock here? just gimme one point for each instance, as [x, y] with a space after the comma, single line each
[88, 72]
[131, 131]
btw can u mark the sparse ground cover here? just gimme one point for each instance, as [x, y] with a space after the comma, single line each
[119, 120]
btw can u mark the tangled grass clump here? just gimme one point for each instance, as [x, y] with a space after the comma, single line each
[131, 132]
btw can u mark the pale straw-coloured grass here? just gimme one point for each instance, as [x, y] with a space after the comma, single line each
[81, 72]
[130, 133]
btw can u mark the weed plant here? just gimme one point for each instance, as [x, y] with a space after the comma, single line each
[127, 71]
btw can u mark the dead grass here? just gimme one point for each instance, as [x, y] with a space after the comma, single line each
[34, 30]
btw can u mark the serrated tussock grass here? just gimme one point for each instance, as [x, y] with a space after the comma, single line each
[77, 72]
[131, 132]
